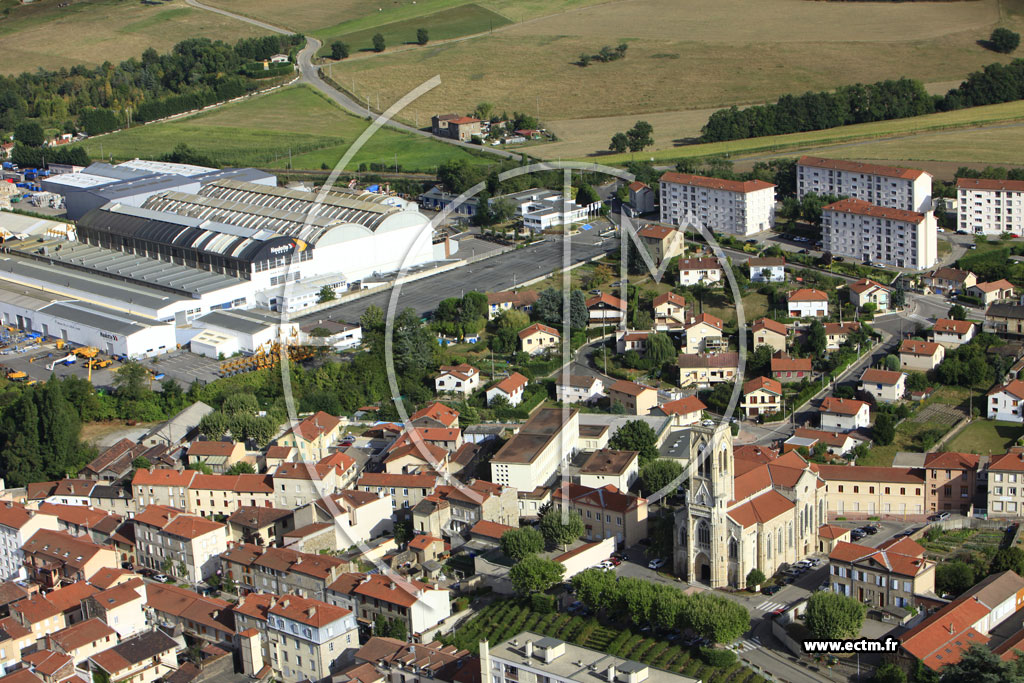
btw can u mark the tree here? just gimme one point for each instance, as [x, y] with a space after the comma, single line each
[657, 474]
[619, 143]
[715, 617]
[167, 566]
[30, 134]
[380, 626]
[227, 584]
[372, 320]
[397, 629]
[889, 672]
[957, 312]
[636, 435]
[640, 136]
[587, 195]
[660, 350]
[378, 43]
[422, 36]
[200, 467]
[884, 430]
[892, 362]
[953, 577]
[755, 577]
[214, 425]
[831, 616]
[484, 111]
[241, 468]
[141, 463]
[519, 543]
[559, 532]
[403, 532]
[584, 59]
[339, 50]
[978, 664]
[1007, 559]
[130, 381]
[326, 294]
[917, 381]
[534, 573]
[1004, 40]
[817, 340]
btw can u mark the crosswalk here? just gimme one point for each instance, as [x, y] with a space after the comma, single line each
[769, 606]
[746, 645]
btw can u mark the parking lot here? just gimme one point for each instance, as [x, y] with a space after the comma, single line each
[185, 367]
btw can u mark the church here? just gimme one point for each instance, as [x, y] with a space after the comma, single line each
[745, 508]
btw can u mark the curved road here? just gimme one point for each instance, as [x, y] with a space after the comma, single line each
[310, 74]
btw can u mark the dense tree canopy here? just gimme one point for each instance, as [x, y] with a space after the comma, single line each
[833, 616]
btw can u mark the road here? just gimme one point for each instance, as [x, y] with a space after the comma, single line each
[310, 74]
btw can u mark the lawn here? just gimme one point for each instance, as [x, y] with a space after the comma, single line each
[695, 55]
[295, 122]
[41, 34]
[755, 306]
[986, 437]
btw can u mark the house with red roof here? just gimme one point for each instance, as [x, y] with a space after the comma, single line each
[953, 333]
[885, 577]
[921, 356]
[669, 311]
[866, 291]
[1006, 483]
[121, 606]
[459, 379]
[761, 396]
[641, 200]
[992, 292]
[767, 269]
[313, 434]
[704, 335]
[219, 456]
[607, 512]
[952, 481]
[17, 525]
[420, 605]
[948, 281]
[538, 338]
[807, 303]
[844, 414]
[631, 340]
[606, 309]
[511, 389]
[837, 334]
[836, 443]
[1006, 402]
[884, 386]
[456, 127]
[786, 369]
[684, 411]
[82, 640]
[141, 659]
[637, 399]
[436, 414]
[662, 241]
[204, 618]
[705, 271]
[768, 332]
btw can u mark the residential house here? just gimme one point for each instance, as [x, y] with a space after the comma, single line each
[807, 303]
[952, 333]
[214, 495]
[836, 334]
[786, 369]
[511, 389]
[830, 535]
[948, 281]
[991, 292]
[420, 605]
[460, 379]
[702, 370]
[883, 577]
[55, 558]
[259, 525]
[219, 456]
[663, 242]
[606, 466]
[37, 614]
[462, 128]
[68, 599]
[435, 662]
[836, 443]
[704, 335]
[405, 490]
[17, 525]
[538, 338]
[844, 414]
[578, 388]
[859, 492]
[606, 309]
[669, 311]
[499, 302]
[1005, 320]
[761, 396]
[279, 570]
[865, 291]
[641, 199]
[920, 355]
[488, 534]
[952, 480]
[767, 269]
[631, 340]
[704, 271]
[637, 399]
[297, 483]
[162, 486]
[165, 536]
[203, 618]
[884, 386]
[115, 462]
[312, 435]
[435, 415]
[768, 332]
[607, 512]
[684, 411]
[144, 658]
[121, 607]
[355, 516]
[82, 640]
[454, 509]
[99, 525]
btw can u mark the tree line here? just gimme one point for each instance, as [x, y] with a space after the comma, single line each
[860, 103]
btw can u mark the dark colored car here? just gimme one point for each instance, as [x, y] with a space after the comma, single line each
[770, 590]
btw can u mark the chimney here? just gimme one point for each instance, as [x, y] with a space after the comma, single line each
[611, 674]
[951, 629]
[529, 649]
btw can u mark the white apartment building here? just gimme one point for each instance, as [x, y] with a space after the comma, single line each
[533, 456]
[737, 207]
[858, 229]
[17, 525]
[990, 207]
[888, 186]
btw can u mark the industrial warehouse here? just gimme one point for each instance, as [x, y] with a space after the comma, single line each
[161, 255]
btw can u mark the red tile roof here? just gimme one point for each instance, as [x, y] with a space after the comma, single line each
[764, 508]
[391, 589]
[791, 365]
[81, 634]
[743, 186]
[192, 526]
[994, 286]
[699, 264]
[163, 477]
[316, 425]
[511, 384]
[894, 475]
[916, 347]
[1014, 387]
[772, 325]
[668, 297]
[857, 167]
[863, 208]
[607, 300]
[989, 184]
[490, 529]
[535, 328]
[1013, 462]
[71, 596]
[652, 231]
[35, 608]
[604, 498]
[951, 461]
[707, 319]
[889, 377]
[209, 448]
[47, 662]
[945, 326]
[807, 295]
[841, 328]
[765, 383]
[624, 386]
[832, 531]
[15, 515]
[865, 284]
[841, 406]
[385, 480]
[683, 406]
[186, 604]
[121, 594]
[437, 411]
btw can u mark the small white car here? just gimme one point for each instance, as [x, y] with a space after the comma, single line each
[656, 563]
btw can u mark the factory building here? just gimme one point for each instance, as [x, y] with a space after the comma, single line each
[251, 329]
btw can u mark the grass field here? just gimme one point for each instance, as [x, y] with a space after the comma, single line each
[450, 23]
[697, 55]
[90, 32]
[261, 131]
[986, 437]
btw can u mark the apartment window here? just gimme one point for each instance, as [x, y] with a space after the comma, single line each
[947, 490]
[887, 490]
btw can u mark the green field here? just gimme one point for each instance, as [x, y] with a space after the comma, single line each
[986, 437]
[454, 22]
[263, 130]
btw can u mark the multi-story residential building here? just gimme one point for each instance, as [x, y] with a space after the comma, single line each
[990, 207]
[844, 414]
[807, 303]
[700, 271]
[768, 332]
[1005, 473]
[578, 388]
[607, 512]
[952, 479]
[301, 638]
[991, 292]
[952, 333]
[886, 236]
[785, 369]
[37, 614]
[356, 516]
[884, 386]
[761, 396]
[704, 335]
[704, 370]
[141, 659]
[17, 525]
[836, 334]
[459, 379]
[736, 207]
[532, 457]
[420, 605]
[465, 505]
[606, 309]
[499, 302]
[162, 486]
[120, 607]
[637, 399]
[874, 491]
[1004, 320]
[669, 311]
[204, 618]
[948, 281]
[662, 241]
[919, 355]
[279, 570]
[313, 435]
[82, 640]
[297, 483]
[865, 291]
[213, 495]
[889, 186]
[165, 533]
[684, 411]
[767, 269]
[887, 576]
[55, 558]
[404, 490]
[1004, 402]
[605, 466]
[538, 338]
[531, 658]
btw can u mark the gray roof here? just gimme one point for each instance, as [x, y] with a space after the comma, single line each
[1005, 311]
[98, 317]
[246, 322]
[178, 427]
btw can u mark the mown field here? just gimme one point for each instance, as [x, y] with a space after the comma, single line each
[90, 32]
[701, 54]
[263, 130]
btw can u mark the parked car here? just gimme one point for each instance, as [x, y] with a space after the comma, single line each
[771, 590]
[162, 578]
[775, 614]
[943, 516]
[656, 563]
[615, 561]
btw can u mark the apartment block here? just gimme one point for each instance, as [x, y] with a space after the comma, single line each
[886, 236]
[736, 207]
[952, 478]
[990, 207]
[889, 186]
[1006, 484]
[883, 577]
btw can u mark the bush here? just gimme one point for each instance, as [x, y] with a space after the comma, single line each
[543, 603]
[713, 656]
